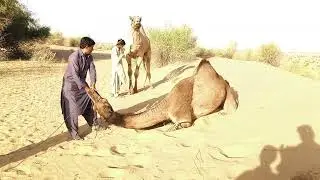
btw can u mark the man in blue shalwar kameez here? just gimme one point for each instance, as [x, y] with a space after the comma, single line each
[74, 98]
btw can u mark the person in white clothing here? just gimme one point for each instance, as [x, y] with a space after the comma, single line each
[118, 77]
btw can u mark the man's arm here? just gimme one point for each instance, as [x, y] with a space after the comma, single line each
[75, 71]
[93, 72]
[115, 57]
[120, 57]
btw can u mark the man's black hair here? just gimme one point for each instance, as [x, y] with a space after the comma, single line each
[121, 42]
[86, 41]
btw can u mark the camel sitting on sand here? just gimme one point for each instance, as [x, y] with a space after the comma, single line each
[203, 93]
[140, 51]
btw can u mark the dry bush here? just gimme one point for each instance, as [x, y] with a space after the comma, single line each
[268, 53]
[72, 41]
[171, 45]
[227, 52]
[302, 64]
[230, 50]
[203, 52]
[246, 55]
[103, 46]
[218, 52]
[37, 51]
[56, 38]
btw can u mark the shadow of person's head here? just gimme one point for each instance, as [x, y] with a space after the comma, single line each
[306, 133]
[268, 155]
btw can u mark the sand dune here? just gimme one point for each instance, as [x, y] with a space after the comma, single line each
[273, 104]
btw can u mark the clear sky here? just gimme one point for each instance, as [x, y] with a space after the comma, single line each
[293, 25]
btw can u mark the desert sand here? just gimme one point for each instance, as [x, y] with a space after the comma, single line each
[273, 104]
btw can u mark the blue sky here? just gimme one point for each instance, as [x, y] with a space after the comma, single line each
[293, 25]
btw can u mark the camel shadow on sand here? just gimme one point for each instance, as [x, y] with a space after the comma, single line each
[171, 75]
[300, 162]
[32, 149]
[146, 105]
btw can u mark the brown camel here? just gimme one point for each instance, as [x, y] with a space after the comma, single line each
[101, 105]
[140, 51]
[203, 93]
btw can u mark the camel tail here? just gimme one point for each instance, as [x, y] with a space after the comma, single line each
[148, 118]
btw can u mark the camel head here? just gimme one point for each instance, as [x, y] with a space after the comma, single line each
[135, 22]
[101, 105]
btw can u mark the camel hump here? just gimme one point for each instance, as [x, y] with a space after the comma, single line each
[205, 67]
[209, 90]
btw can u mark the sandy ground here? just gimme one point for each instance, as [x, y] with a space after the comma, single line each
[273, 104]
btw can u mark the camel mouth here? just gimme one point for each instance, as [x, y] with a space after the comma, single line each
[137, 26]
[115, 118]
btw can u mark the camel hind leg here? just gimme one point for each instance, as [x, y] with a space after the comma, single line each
[180, 117]
[147, 67]
[180, 122]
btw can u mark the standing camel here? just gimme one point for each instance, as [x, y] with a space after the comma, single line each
[140, 51]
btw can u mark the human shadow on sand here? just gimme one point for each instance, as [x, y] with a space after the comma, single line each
[268, 155]
[300, 162]
[33, 149]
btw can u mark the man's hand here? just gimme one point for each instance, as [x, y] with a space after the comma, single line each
[93, 86]
[87, 88]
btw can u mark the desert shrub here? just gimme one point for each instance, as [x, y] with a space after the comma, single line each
[227, 52]
[268, 53]
[172, 44]
[230, 50]
[246, 54]
[103, 46]
[8, 10]
[219, 52]
[37, 51]
[203, 52]
[56, 38]
[73, 41]
[302, 64]
[17, 26]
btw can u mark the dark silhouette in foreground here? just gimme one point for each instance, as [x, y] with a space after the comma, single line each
[268, 155]
[300, 162]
